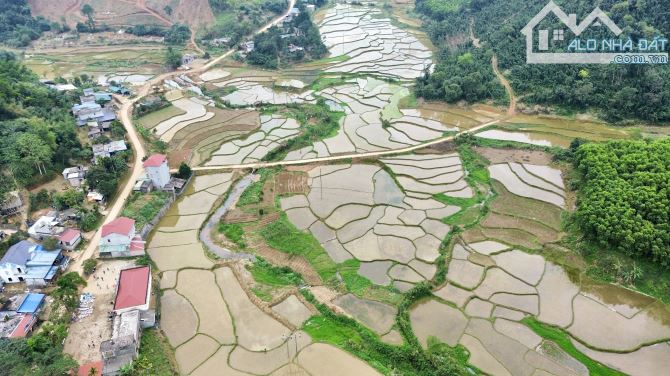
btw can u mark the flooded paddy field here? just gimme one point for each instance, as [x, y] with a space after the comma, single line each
[208, 316]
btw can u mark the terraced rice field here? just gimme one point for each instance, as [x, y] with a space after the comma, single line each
[208, 317]
[375, 46]
[274, 129]
[493, 287]
[390, 224]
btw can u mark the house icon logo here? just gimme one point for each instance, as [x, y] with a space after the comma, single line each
[548, 46]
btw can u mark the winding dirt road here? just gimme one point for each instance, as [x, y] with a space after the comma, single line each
[125, 116]
[511, 111]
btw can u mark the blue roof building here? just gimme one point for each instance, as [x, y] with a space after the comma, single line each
[29, 262]
[31, 303]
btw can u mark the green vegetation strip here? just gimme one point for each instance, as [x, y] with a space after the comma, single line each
[267, 274]
[406, 359]
[154, 358]
[284, 236]
[234, 232]
[562, 339]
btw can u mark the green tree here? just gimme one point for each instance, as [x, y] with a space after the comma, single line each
[88, 11]
[184, 171]
[173, 58]
[89, 266]
[50, 243]
[168, 10]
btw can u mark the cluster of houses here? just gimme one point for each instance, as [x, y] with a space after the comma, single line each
[55, 225]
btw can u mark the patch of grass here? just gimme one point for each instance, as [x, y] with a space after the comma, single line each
[156, 355]
[409, 101]
[363, 287]
[151, 120]
[144, 207]
[329, 60]
[254, 193]
[284, 236]
[234, 232]
[268, 274]
[562, 339]
[262, 294]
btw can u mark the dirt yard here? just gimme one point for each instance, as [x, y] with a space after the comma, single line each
[85, 335]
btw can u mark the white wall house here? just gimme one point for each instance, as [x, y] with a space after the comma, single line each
[119, 239]
[156, 167]
[30, 263]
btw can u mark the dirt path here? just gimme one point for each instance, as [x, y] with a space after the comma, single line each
[142, 5]
[348, 156]
[511, 111]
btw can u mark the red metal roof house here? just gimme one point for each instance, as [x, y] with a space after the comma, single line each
[133, 290]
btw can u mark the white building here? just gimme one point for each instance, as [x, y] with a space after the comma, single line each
[156, 167]
[119, 239]
[30, 263]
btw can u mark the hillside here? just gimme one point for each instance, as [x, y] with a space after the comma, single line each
[195, 13]
[615, 92]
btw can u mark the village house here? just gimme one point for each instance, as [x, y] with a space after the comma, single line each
[133, 291]
[248, 47]
[30, 263]
[108, 149]
[20, 317]
[119, 239]
[46, 227]
[121, 90]
[95, 196]
[75, 176]
[69, 239]
[292, 48]
[156, 168]
[187, 59]
[294, 12]
[12, 204]
[131, 314]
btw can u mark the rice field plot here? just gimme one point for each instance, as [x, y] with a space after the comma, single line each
[386, 221]
[374, 45]
[195, 111]
[549, 131]
[493, 290]
[150, 121]
[532, 181]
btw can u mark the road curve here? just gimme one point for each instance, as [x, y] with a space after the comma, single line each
[125, 116]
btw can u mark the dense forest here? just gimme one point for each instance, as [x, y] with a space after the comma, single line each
[624, 199]
[615, 92]
[37, 132]
[272, 47]
[17, 26]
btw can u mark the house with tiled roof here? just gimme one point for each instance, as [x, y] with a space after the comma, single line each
[156, 167]
[69, 239]
[119, 239]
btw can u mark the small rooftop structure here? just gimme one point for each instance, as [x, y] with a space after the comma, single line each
[31, 303]
[75, 175]
[64, 87]
[12, 204]
[69, 239]
[133, 290]
[45, 227]
[187, 59]
[293, 48]
[248, 46]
